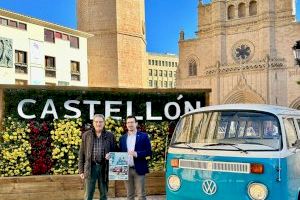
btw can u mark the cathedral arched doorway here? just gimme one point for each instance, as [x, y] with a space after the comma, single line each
[244, 96]
[295, 104]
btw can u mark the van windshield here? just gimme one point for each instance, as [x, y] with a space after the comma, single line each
[236, 130]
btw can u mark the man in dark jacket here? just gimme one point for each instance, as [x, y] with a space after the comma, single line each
[93, 158]
[138, 146]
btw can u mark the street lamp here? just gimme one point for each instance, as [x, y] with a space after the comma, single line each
[296, 49]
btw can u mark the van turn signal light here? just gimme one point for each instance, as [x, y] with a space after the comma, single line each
[175, 163]
[256, 168]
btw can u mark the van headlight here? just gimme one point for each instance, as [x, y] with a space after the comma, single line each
[257, 191]
[174, 182]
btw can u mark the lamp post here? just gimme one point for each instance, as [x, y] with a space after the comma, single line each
[296, 49]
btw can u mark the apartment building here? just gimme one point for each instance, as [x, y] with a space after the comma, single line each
[162, 70]
[36, 52]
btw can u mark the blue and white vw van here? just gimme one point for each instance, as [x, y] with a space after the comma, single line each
[240, 151]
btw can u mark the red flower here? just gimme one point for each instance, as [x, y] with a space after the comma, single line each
[40, 142]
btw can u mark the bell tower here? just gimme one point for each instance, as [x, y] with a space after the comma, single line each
[117, 52]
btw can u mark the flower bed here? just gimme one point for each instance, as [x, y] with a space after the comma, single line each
[51, 148]
[15, 149]
[40, 148]
[65, 145]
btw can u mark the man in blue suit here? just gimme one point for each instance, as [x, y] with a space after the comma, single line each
[138, 146]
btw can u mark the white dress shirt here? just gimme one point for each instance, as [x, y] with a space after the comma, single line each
[131, 138]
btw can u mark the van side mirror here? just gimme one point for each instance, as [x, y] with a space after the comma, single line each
[297, 144]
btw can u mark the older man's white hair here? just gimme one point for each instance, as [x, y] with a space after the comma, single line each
[98, 115]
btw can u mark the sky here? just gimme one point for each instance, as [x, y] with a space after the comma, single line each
[164, 18]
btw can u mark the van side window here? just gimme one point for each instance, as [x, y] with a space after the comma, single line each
[290, 131]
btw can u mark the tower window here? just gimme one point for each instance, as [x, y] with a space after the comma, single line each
[192, 68]
[230, 12]
[242, 10]
[253, 8]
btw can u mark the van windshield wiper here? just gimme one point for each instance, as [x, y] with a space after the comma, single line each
[226, 144]
[257, 143]
[186, 144]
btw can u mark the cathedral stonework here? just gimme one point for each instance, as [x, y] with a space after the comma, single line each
[243, 52]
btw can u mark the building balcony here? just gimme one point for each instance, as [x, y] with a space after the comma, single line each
[50, 68]
[75, 76]
[21, 68]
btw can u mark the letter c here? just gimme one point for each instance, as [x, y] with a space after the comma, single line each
[20, 108]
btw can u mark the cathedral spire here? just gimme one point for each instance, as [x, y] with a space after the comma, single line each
[181, 35]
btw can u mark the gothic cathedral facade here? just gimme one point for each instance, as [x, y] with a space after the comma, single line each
[243, 52]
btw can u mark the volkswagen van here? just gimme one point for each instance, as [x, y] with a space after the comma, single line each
[240, 151]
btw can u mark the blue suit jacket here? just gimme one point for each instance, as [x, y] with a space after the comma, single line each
[143, 149]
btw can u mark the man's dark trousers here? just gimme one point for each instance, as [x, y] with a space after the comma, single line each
[90, 183]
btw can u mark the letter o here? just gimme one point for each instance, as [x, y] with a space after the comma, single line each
[167, 107]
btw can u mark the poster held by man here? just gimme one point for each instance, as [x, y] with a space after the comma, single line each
[118, 166]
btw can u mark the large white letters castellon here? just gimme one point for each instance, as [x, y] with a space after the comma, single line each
[111, 109]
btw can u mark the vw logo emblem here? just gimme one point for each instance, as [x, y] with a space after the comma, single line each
[209, 187]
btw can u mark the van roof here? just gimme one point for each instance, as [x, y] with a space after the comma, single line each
[277, 110]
